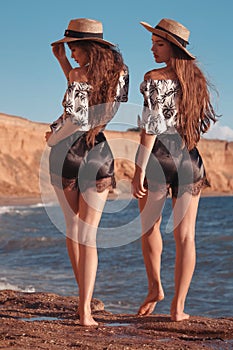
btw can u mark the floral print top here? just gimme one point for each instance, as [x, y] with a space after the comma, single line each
[159, 111]
[75, 103]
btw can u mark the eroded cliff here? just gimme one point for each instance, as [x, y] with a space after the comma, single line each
[22, 145]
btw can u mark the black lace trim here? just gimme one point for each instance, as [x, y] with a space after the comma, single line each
[194, 189]
[157, 187]
[73, 185]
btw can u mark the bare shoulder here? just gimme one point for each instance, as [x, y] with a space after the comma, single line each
[148, 75]
[78, 75]
[160, 74]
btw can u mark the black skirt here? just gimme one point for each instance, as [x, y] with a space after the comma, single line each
[75, 165]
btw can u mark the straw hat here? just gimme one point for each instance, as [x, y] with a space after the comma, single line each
[84, 29]
[172, 31]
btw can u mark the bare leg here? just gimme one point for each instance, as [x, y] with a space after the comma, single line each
[152, 245]
[91, 205]
[68, 201]
[185, 212]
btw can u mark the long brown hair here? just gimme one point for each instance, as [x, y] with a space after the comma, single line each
[105, 64]
[195, 111]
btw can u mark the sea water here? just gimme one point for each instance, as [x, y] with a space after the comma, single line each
[34, 257]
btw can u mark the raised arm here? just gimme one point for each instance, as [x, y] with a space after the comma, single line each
[60, 54]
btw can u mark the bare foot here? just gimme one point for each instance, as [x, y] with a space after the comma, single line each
[146, 308]
[88, 320]
[150, 302]
[176, 313]
[179, 317]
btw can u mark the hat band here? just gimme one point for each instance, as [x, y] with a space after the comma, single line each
[78, 35]
[180, 40]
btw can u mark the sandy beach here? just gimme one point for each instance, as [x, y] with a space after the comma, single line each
[12, 201]
[24, 200]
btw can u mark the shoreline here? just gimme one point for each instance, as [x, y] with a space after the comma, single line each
[6, 201]
[18, 201]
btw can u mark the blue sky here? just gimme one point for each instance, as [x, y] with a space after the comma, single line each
[32, 83]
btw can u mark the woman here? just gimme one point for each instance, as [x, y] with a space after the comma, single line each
[81, 162]
[177, 109]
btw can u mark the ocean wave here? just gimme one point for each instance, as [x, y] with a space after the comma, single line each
[5, 285]
[24, 209]
[6, 209]
[41, 205]
[19, 209]
[27, 243]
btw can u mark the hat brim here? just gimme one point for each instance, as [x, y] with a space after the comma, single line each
[70, 39]
[166, 36]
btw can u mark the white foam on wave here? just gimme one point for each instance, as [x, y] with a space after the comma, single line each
[19, 210]
[5, 285]
[9, 208]
[41, 205]
[6, 209]
[24, 209]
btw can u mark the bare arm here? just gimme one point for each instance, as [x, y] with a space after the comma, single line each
[73, 120]
[144, 151]
[60, 54]
[68, 129]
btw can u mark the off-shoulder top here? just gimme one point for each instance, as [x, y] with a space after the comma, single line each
[76, 107]
[159, 113]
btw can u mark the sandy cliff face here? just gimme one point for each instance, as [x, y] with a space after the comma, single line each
[22, 145]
